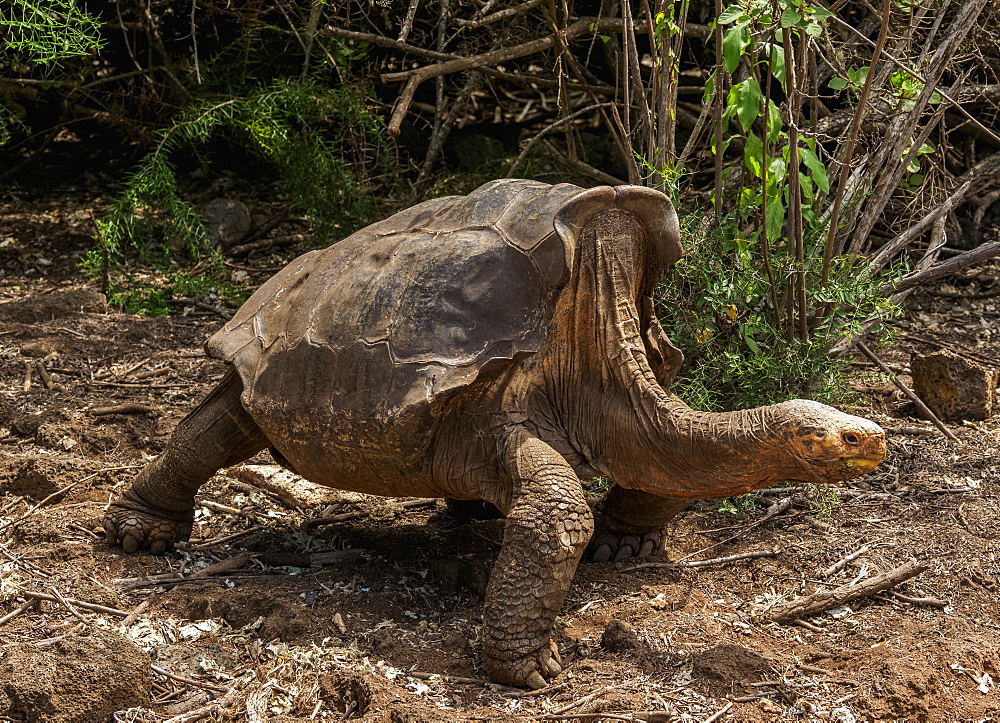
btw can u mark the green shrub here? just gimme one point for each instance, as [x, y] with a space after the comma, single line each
[716, 304]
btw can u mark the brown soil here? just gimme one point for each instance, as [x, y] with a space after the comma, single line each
[369, 637]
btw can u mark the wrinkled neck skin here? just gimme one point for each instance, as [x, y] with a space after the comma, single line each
[607, 400]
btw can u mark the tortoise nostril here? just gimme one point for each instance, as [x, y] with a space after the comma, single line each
[851, 438]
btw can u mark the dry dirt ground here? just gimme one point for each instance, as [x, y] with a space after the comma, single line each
[386, 625]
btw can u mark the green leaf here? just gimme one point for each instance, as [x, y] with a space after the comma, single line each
[774, 129]
[777, 170]
[837, 83]
[775, 217]
[777, 63]
[814, 30]
[753, 153]
[790, 18]
[815, 165]
[745, 97]
[733, 43]
[733, 12]
[821, 13]
[806, 184]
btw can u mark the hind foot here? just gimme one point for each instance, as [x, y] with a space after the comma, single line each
[608, 546]
[134, 525]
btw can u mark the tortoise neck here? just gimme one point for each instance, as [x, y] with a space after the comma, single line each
[623, 421]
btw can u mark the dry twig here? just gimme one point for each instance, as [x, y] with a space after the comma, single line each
[702, 563]
[829, 599]
[907, 391]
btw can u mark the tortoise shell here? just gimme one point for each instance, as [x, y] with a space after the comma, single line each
[360, 345]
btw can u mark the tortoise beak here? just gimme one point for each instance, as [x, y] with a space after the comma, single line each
[865, 463]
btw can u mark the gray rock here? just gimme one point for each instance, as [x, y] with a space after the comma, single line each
[227, 220]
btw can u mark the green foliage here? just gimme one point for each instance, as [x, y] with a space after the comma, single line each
[301, 128]
[740, 504]
[155, 293]
[46, 31]
[42, 32]
[715, 303]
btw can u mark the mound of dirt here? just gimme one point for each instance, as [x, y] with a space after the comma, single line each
[723, 666]
[39, 475]
[56, 305]
[81, 679]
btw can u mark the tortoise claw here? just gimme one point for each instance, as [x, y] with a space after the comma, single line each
[602, 553]
[610, 546]
[535, 681]
[553, 668]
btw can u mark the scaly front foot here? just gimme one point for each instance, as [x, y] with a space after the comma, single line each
[608, 546]
[533, 670]
[134, 525]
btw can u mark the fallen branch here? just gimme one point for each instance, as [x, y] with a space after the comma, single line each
[55, 494]
[969, 184]
[931, 601]
[189, 681]
[842, 563]
[20, 611]
[957, 263]
[134, 614]
[409, 504]
[75, 613]
[579, 701]
[907, 391]
[122, 409]
[456, 680]
[78, 603]
[417, 76]
[702, 563]
[206, 711]
[43, 373]
[829, 599]
[206, 544]
[719, 713]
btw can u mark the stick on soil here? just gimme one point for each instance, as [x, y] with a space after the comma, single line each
[907, 391]
[829, 599]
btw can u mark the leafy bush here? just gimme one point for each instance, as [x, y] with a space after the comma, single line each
[299, 127]
[715, 303]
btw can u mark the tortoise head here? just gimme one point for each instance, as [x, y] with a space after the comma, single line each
[830, 445]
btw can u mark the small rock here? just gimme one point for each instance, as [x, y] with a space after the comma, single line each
[227, 220]
[619, 637]
[952, 387]
[81, 679]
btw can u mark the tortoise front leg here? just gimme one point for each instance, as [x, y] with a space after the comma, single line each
[548, 526]
[631, 524]
[157, 510]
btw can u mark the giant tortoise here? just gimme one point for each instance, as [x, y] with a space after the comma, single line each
[498, 347]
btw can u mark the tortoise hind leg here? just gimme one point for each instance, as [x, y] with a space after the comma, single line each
[157, 510]
[631, 524]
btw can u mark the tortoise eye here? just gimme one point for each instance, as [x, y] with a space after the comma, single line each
[851, 438]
